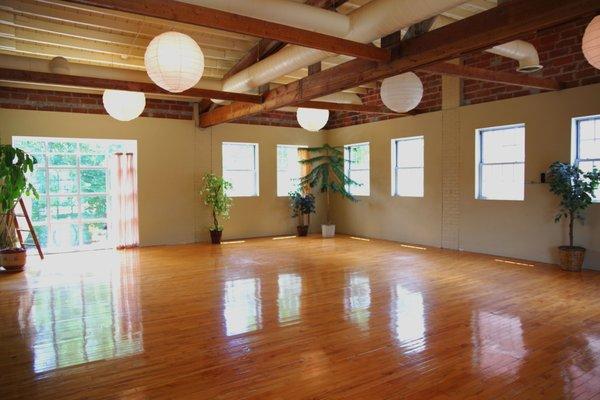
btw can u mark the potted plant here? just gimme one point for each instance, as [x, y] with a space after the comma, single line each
[14, 166]
[576, 191]
[214, 193]
[302, 205]
[327, 174]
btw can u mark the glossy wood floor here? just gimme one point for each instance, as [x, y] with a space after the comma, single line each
[300, 318]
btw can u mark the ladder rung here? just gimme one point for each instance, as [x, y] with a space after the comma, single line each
[19, 215]
[23, 230]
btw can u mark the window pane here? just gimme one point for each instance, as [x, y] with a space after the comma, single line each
[94, 233]
[288, 170]
[410, 153]
[30, 145]
[63, 207]
[63, 180]
[41, 160]
[589, 139]
[37, 210]
[93, 181]
[93, 206]
[38, 180]
[243, 183]
[362, 178]
[64, 235]
[92, 147]
[62, 159]
[503, 145]
[588, 166]
[42, 235]
[503, 181]
[92, 160]
[238, 157]
[62, 147]
[359, 156]
[409, 182]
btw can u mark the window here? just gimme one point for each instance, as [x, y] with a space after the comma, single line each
[500, 153]
[72, 178]
[288, 169]
[408, 166]
[357, 168]
[240, 167]
[587, 145]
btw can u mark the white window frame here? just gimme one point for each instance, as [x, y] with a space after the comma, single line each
[295, 146]
[576, 144]
[255, 170]
[395, 168]
[479, 163]
[348, 170]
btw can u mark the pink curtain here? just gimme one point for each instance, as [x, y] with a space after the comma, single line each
[125, 201]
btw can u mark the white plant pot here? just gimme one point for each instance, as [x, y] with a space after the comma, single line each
[328, 231]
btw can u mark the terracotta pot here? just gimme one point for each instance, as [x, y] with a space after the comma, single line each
[215, 237]
[571, 258]
[302, 230]
[13, 260]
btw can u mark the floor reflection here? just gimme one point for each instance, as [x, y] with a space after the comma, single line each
[85, 321]
[242, 306]
[288, 298]
[408, 321]
[357, 300]
[498, 346]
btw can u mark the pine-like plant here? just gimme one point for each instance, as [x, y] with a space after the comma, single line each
[327, 174]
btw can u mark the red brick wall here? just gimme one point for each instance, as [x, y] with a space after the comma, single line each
[560, 53]
[44, 100]
[271, 118]
[432, 101]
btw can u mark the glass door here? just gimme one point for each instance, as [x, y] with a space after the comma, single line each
[73, 180]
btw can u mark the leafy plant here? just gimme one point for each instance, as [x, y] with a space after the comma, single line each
[575, 189]
[327, 174]
[301, 205]
[213, 192]
[14, 166]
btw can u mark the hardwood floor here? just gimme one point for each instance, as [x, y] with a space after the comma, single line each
[300, 318]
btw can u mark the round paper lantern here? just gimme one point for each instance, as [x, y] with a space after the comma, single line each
[402, 93]
[123, 105]
[59, 65]
[590, 44]
[174, 61]
[312, 119]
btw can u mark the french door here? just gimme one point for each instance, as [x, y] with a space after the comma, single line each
[72, 177]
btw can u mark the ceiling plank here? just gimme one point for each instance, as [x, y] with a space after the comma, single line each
[484, 30]
[14, 75]
[266, 47]
[203, 16]
[480, 74]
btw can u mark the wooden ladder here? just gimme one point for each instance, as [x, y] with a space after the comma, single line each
[30, 229]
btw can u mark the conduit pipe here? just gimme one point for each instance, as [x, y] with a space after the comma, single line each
[366, 24]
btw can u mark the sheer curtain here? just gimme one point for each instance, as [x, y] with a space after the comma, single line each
[125, 198]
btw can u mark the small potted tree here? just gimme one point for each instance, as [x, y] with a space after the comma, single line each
[302, 206]
[14, 166]
[214, 193]
[327, 174]
[576, 192]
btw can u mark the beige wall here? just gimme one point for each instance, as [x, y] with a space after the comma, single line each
[172, 157]
[509, 228]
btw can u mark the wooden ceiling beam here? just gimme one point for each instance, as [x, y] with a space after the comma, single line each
[358, 108]
[480, 74]
[266, 47]
[484, 30]
[202, 16]
[14, 75]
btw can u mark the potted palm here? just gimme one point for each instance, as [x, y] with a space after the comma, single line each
[14, 166]
[214, 193]
[575, 189]
[327, 174]
[302, 205]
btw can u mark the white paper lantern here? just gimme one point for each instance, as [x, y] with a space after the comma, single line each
[123, 105]
[402, 93]
[590, 44]
[312, 119]
[174, 61]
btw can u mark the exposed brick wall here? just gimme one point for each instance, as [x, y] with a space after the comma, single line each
[271, 118]
[44, 100]
[432, 101]
[560, 53]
